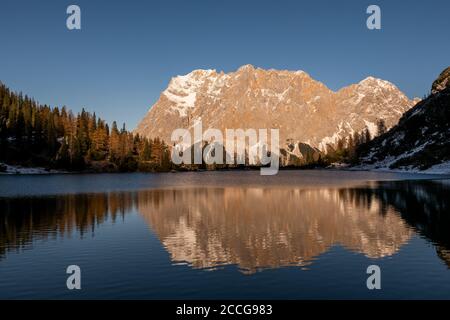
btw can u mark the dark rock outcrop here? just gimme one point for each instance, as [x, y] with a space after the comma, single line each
[442, 82]
[422, 137]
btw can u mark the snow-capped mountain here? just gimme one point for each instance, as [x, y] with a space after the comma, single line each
[421, 140]
[303, 109]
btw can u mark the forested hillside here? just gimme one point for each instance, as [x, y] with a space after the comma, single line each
[32, 134]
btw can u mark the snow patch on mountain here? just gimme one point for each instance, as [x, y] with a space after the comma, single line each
[372, 127]
[344, 130]
[390, 160]
[183, 90]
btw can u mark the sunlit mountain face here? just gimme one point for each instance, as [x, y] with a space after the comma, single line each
[302, 108]
[251, 227]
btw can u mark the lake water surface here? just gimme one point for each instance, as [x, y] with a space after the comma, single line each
[226, 235]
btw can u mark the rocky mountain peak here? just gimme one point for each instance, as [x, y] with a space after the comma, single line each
[442, 82]
[375, 82]
[302, 108]
[246, 68]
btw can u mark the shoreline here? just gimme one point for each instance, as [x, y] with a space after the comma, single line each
[439, 169]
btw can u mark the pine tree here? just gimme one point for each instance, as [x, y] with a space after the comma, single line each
[367, 136]
[51, 134]
[146, 153]
[381, 127]
[114, 143]
[63, 156]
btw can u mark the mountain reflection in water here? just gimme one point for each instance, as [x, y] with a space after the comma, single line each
[251, 227]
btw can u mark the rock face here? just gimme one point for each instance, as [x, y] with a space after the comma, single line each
[442, 82]
[303, 109]
[421, 140]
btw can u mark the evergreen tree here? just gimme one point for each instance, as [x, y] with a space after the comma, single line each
[381, 127]
[366, 135]
[146, 153]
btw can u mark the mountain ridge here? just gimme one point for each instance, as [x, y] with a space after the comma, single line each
[303, 109]
[421, 139]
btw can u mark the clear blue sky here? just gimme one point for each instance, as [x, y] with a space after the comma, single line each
[127, 51]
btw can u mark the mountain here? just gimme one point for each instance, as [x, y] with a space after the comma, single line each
[303, 109]
[421, 139]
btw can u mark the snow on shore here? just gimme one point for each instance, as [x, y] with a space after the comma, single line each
[26, 170]
[442, 168]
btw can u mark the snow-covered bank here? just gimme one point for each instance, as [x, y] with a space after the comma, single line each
[338, 165]
[439, 169]
[8, 169]
[442, 168]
